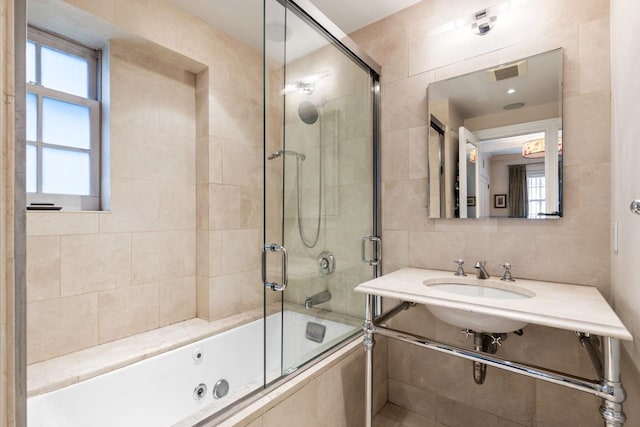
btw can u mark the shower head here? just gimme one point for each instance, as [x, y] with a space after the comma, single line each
[308, 112]
[279, 153]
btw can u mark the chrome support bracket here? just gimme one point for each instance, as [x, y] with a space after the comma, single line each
[369, 342]
[611, 409]
[609, 389]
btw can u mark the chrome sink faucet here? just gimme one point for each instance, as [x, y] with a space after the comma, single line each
[482, 271]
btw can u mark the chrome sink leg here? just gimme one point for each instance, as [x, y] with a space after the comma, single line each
[611, 409]
[369, 342]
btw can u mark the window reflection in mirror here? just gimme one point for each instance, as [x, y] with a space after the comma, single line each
[495, 143]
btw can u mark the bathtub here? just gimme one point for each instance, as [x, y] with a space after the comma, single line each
[162, 390]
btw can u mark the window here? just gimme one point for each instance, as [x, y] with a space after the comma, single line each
[63, 122]
[536, 190]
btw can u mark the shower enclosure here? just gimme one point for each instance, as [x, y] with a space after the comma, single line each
[236, 333]
[320, 213]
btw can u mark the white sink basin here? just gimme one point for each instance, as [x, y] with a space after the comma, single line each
[471, 288]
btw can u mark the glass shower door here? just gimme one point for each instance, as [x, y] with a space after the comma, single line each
[319, 188]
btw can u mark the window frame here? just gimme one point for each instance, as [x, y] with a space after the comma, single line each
[92, 102]
[536, 171]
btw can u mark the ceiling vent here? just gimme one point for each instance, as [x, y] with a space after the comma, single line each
[509, 71]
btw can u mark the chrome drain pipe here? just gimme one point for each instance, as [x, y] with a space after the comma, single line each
[479, 369]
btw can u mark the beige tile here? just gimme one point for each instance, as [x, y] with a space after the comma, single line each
[162, 255]
[452, 413]
[57, 223]
[142, 153]
[215, 161]
[340, 400]
[241, 162]
[404, 102]
[135, 206]
[255, 423]
[300, 409]
[436, 250]
[413, 398]
[43, 267]
[225, 202]
[241, 251]
[95, 262]
[418, 155]
[594, 193]
[370, 38]
[202, 298]
[225, 295]
[395, 250]
[586, 254]
[553, 401]
[395, 155]
[215, 258]
[203, 207]
[594, 56]
[177, 300]
[395, 416]
[60, 326]
[202, 253]
[396, 55]
[404, 205]
[251, 210]
[127, 311]
[587, 128]
[158, 26]
[252, 290]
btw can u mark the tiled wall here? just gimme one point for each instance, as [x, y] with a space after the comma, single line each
[184, 233]
[574, 249]
[94, 277]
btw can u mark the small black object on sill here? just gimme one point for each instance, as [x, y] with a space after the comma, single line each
[43, 207]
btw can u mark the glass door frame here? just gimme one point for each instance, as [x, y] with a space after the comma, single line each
[308, 13]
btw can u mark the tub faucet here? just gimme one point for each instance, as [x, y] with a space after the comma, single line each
[482, 271]
[319, 298]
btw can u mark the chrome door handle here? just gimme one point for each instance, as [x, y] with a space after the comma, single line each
[378, 245]
[274, 286]
[635, 207]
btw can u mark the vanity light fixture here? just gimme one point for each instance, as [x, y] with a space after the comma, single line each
[511, 91]
[485, 20]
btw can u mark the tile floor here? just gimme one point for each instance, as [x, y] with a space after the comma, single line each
[394, 416]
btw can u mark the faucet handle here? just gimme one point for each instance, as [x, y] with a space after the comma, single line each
[507, 272]
[460, 271]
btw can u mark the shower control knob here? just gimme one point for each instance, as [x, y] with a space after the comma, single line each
[326, 263]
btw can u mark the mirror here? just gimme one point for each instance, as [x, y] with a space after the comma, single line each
[495, 141]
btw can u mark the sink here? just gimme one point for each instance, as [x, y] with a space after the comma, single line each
[471, 288]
